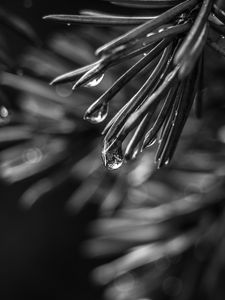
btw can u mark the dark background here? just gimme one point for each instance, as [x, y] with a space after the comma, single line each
[34, 10]
[40, 256]
[40, 249]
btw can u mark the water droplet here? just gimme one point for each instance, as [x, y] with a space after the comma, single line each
[95, 81]
[151, 143]
[112, 155]
[149, 34]
[33, 156]
[4, 114]
[167, 162]
[161, 30]
[97, 116]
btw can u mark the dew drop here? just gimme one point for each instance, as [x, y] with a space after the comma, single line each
[95, 81]
[166, 162]
[99, 115]
[4, 114]
[161, 30]
[149, 34]
[33, 156]
[112, 155]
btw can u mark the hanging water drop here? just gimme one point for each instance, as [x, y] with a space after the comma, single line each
[167, 162]
[112, 155]
[99, 115]
[94, 81]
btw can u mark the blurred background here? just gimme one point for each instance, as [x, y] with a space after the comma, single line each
[39, 253]
[44, 251]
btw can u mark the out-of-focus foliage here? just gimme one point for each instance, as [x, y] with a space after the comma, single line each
[15, 26]
[159, 234]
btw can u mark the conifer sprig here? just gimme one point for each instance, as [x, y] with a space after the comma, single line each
[168, 44]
